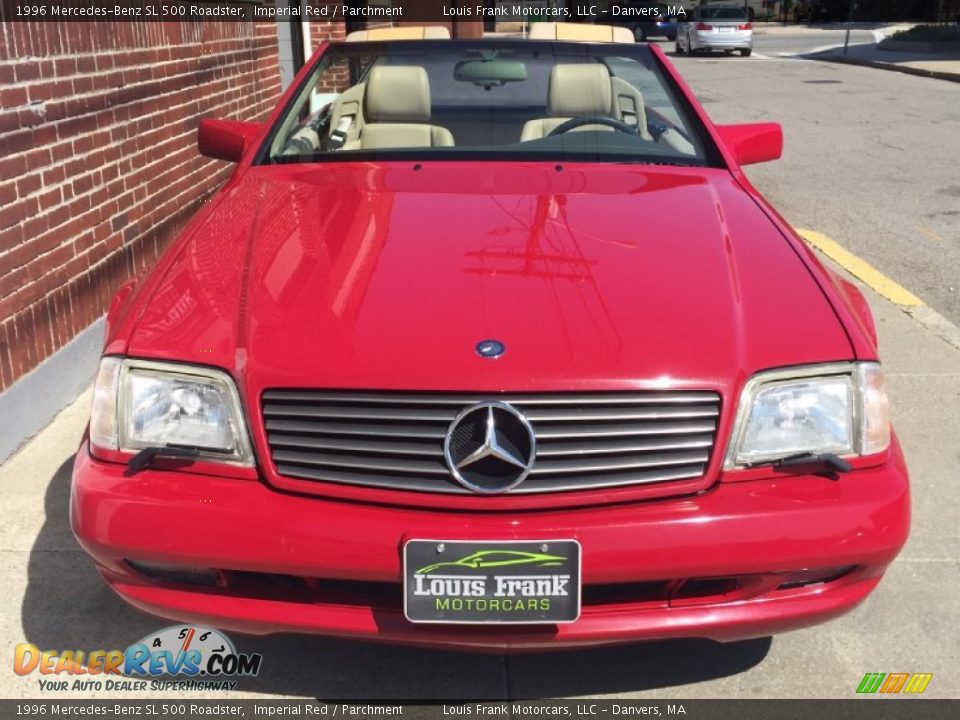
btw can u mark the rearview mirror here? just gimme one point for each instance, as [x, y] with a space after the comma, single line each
[490, 73]
[225, 139]
[753, 142]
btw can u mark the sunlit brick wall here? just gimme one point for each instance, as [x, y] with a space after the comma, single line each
[98, 160]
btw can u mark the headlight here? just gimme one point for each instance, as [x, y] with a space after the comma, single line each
[838, 409]
[139, 404]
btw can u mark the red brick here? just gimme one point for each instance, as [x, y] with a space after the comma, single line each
[36, 159]
[42, 335]
[40, 92]
[97, 178]
[18, 211]
[54, 175]
[87, 65]
[6, 367]
[49, 199]
[25, 71]
[11, 97]
[24, 355]
[47, 68]
[8, 192]
[82, 184]
[65, 66]
[10, 238]
[29, 184]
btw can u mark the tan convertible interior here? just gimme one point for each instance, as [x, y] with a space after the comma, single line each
[392, 108]
[588, 90]
[396, 112]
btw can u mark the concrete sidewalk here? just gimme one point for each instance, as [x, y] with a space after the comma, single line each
[774, 27]
[939, 65]
[911, 623]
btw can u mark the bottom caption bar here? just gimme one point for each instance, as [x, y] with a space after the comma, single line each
[867, 708]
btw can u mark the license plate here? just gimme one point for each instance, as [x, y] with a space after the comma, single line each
[726, 29]
[455, 581]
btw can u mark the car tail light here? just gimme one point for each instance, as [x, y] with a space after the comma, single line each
[704, 26]
[745, 26]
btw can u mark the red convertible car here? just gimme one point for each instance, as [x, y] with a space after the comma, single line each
[491, 344]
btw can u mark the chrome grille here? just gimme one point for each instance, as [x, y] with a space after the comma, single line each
[584, 440]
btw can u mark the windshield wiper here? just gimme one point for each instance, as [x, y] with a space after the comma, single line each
[831, 460]
[144, 459]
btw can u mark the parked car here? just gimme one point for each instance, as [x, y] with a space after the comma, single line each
[490, 332]
[715, 27]
[644, 18]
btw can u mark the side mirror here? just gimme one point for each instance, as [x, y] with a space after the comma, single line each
[753, 142]
[225, 139]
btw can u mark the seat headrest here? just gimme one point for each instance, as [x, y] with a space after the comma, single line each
[580, 32]
[579, 90]
[399, 93]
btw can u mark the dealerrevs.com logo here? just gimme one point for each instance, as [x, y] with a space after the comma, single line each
[195, 657]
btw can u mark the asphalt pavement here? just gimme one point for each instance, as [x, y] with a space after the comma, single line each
[799, 39]
[868, 163]
[871, 157]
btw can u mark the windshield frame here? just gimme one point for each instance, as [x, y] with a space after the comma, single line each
[711, 154]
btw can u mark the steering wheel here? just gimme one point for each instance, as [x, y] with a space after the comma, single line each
[593, 120]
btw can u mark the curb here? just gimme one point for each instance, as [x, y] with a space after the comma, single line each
[33, 401]
[935, 323]
[935, 74]
[889, 290]
[891, 45]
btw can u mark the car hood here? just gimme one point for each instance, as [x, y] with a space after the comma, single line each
[387, 276]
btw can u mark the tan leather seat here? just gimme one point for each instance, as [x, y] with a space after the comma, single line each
[585, 90]
[575, 91]
[346, 117]
[397, 110]
[628, 104]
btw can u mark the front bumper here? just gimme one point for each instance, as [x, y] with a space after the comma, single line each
[346, 556]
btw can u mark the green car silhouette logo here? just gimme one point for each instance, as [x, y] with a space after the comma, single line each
[496, 558]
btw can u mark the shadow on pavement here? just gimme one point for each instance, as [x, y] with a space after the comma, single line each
[631, 668]
[66, 605]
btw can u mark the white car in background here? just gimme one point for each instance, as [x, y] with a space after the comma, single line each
[716, 27]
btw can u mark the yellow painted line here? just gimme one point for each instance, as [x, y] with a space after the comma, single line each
[861, 269]
[928, 232]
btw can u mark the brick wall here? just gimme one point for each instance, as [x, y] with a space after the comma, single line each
[321, 32]
[98, 161]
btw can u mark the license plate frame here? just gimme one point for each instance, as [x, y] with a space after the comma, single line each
[523, 565]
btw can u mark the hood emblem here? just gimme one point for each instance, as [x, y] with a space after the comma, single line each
[490, 448]
[491, 348]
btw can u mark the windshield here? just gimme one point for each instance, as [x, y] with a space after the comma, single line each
[486, 99]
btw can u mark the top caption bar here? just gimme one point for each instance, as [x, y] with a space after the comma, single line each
[377, 11]
[422, 11]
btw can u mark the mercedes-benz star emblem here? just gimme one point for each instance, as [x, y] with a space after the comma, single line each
[490, 448]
